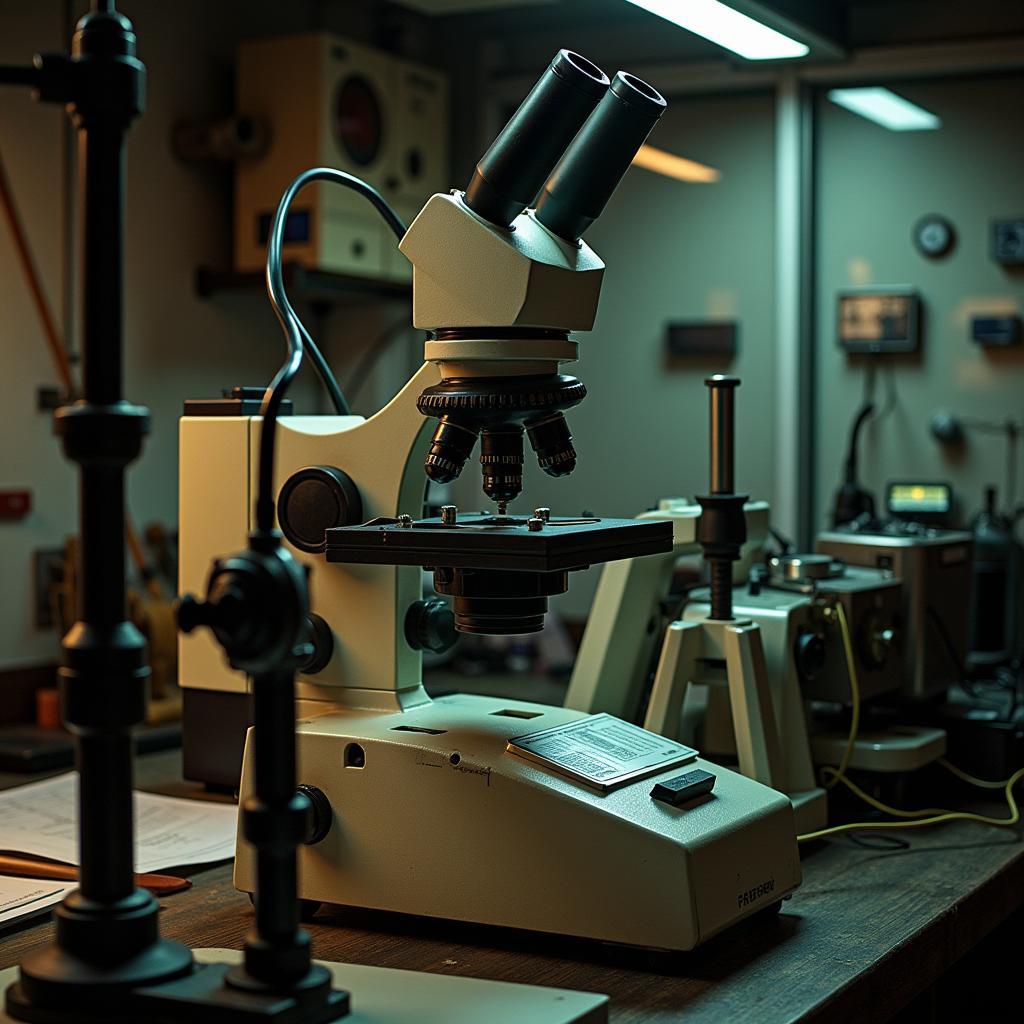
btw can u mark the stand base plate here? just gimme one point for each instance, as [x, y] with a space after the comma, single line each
[899, 748]
[384, 995]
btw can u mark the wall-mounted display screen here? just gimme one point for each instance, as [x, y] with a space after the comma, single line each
[924, 502]
[879, 320]
[702, 338]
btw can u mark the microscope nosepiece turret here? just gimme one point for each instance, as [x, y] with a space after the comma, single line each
[501, 287]
[498, 411]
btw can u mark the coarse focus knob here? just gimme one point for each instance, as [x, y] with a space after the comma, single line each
[315, 500]
[430, 626]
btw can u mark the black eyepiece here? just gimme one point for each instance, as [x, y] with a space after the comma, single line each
[511, 172]
[600, 155]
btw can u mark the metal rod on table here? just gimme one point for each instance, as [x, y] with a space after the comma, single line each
[104, 751]
[107, 936]
[278, 952]
[723, 434]
[723, 534]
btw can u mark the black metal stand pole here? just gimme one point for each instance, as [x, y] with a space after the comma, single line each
[722, 530]
[108, 962]
[107, 934]
[277, 953]
[257, 607]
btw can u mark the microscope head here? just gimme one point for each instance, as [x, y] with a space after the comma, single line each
[500, 286]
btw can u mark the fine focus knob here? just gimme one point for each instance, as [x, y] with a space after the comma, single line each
[319, 815]
[320, 638]
[314, 500]
[430, 626]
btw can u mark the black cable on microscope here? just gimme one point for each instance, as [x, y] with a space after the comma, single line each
[296, 335]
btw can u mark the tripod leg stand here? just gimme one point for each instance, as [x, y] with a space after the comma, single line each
[677, 668]
[686, 645]
[753, 716]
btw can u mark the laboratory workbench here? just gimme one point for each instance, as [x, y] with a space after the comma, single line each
[870, 934]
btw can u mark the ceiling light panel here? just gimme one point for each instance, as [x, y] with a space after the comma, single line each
[727, 27]
[886, 108]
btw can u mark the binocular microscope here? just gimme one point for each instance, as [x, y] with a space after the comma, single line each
[480, 809]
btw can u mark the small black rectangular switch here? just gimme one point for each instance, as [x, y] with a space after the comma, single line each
[684, 788]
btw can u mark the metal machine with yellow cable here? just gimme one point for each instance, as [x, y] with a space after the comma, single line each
[756, 674]
[718, 647]
[921, 817]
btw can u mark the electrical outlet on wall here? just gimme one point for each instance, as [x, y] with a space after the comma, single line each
[48, 574]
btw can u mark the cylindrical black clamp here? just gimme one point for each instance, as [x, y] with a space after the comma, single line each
[722, 530]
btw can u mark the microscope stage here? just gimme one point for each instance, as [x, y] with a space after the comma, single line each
[486, 541]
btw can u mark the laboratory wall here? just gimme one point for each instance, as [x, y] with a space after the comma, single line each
[676, 252]
[872, 186]
[177, 344]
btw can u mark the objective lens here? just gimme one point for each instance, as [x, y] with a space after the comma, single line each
[551, 440]
[450, 446]
[501, 462]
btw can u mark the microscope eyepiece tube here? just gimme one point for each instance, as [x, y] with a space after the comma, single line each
[580, 186]
[511, 172]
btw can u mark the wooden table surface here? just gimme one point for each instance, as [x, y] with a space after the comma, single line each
[865, 934]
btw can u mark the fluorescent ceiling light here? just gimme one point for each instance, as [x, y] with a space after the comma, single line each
[672, 166]
[884, 107]
[721, 24]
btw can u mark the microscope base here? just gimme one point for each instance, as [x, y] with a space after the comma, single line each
[434, 816]
[386, 996]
